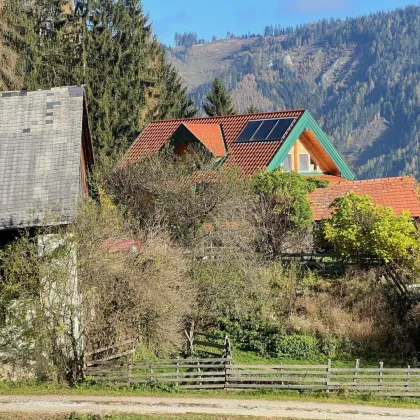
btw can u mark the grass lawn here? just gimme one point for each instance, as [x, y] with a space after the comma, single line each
[251, 358]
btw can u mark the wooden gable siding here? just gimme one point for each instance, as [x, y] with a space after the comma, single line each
[318, 153]
[321, 148]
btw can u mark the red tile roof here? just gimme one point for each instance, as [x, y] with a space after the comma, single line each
[398, 193]
[210, 135]
[332, 178]
[249, 157]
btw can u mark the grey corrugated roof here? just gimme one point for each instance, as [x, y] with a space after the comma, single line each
[40, 146]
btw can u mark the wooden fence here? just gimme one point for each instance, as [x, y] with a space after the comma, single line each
[223, 373]
[209, 345]
[186, 373]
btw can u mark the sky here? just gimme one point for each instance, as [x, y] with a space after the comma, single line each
[217, 17]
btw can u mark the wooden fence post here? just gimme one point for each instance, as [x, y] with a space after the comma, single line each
[227, 364]
[381, 366]
[356, 371]
[228, 347]
[327, 382]
[130, 366]
[190, 337]
[199, 370]
[177, 370]
[408, 378]
[281, 374]
[151, 372]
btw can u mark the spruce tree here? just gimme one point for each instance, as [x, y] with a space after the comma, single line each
[128, 81]
[107, 45]
[252, 110]
[45, 36]
[218, 101]
[173, 101]
[9, 59]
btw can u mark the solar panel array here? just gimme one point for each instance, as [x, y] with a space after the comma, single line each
[265, 130]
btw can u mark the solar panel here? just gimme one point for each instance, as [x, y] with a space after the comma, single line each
[264, 130]
[281, 127]
[248, 131]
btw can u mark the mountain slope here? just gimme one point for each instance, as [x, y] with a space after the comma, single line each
[359, 77]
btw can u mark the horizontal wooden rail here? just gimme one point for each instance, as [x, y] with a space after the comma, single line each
[218, 373]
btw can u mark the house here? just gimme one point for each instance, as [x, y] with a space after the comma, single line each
[45, 156]
[289, 139]
[254, 142]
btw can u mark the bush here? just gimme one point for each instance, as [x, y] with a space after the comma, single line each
[297, 346]
[252, 334]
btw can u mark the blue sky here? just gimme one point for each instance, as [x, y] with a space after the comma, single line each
[217, 17]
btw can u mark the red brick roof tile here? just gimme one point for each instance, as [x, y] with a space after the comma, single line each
[398, 193]
[210, 135]
[249, 157]
[332, 178]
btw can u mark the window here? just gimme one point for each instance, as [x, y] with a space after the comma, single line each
[287, 164]
[304, 161]
[314, 166]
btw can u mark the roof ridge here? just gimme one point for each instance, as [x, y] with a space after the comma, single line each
[228, 116]
[42, 90]
[392, 178]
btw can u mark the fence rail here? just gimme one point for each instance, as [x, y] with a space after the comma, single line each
[222, 373]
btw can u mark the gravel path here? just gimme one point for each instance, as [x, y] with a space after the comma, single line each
[60, 404]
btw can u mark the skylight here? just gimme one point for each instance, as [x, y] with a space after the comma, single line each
[265, 130]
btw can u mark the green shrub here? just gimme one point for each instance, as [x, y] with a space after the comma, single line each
[252, 334]
[297, 346]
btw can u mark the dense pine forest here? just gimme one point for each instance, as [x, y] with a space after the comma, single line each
[359, 77]
[105, 44]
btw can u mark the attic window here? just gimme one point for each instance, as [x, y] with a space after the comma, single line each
[265, 130]
[287, 164]
[304, 162]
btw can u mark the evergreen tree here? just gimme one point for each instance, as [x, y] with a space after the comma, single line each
[9, 59]
[128, 81]
[218, 101]
[107, 45]
[173, 101]
[120, 63]
[252, 110]
[46, 38]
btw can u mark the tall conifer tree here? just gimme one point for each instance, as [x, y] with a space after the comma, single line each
[107, 45]
[218, 101]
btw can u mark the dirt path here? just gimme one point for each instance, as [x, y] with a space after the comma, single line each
[51, 404]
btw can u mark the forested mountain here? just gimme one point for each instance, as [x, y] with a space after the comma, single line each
[359, 77]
